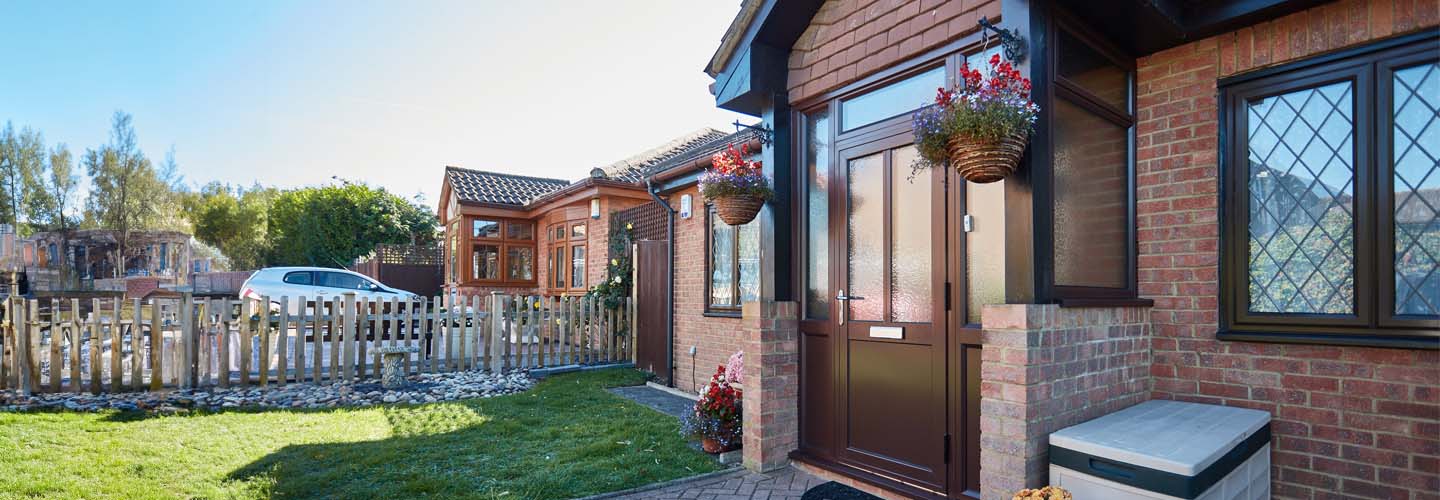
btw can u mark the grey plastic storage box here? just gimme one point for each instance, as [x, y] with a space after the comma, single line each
[1165, 449]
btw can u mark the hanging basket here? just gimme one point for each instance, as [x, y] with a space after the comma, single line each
[983, 162]
[738, 210]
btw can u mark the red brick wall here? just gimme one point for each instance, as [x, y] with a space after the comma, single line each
[1349, 422]
[714, 338]
[1045, 368]
[850, 39]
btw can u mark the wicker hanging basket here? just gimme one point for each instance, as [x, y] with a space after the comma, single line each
[738, 210]
[983, 162]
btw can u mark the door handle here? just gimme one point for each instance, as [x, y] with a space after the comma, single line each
[841, 297]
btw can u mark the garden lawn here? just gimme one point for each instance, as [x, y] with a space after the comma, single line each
[565, 438]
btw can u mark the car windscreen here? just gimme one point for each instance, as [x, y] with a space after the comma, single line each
[299, 278]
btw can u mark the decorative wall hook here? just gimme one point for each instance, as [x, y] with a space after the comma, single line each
[767, 134]
[1009, 39]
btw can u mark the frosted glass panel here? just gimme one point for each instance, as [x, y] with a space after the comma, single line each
[817, 203]
[984, 247]
[1091, 199]
[866, 223]
[911, 299]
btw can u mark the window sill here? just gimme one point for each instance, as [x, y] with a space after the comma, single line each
[721, 313]
[1339, 339]
[1106, 302]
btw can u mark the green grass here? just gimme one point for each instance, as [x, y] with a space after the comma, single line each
[567, 437]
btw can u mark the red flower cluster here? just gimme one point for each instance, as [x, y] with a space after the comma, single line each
[1004, 79]
[720, 401]
[732, 161]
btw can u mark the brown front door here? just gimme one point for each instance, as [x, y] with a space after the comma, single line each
[891, 377]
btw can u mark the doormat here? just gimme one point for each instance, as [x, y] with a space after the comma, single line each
[836, 491]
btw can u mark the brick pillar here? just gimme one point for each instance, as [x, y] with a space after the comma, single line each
[772, 381]
[1044, 368]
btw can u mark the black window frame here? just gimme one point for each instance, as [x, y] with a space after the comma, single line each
[1374, 323]
[1051, 86]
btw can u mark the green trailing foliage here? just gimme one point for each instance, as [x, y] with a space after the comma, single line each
[616, 288]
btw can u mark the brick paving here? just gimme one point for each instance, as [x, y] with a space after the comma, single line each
[783, 484]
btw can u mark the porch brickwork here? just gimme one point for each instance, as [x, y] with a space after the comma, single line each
[1045, 368]
[1349, 421]
[772, 384]
[848, 40]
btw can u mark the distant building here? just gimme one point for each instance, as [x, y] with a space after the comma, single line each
[89, 259]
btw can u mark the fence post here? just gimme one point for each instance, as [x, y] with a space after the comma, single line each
[74, 341]
[282, 343]
[262, 328]
[92, 336]
[346, 319]
[186, 342]
[224, 347]
[157, 346]
[23, 375]
[117, 348]
[335, 349]
[363, 332]
[497, 330]
[57, 364]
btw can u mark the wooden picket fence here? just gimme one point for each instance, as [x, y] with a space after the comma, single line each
[118, 345]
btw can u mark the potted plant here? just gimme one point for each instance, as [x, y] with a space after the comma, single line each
[981, 126]
[717, 416]
[1046, 493]
[735, 185]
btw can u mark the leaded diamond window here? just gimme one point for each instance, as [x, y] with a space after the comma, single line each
[1415, 135]
[1331, 221]
[1302, 219]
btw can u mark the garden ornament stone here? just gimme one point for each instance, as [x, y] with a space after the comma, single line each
[392, 376]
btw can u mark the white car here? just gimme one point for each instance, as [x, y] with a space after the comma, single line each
[316, 282]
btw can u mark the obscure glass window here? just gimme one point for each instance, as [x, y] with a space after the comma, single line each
[577, 231]
[1092, 159]
[485, 262]
[892, 100]
[911, 285]
[1092, 196]
[484, 229]
[817, 203]
[866, 229]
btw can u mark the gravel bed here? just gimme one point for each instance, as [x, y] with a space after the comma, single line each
[423, 388]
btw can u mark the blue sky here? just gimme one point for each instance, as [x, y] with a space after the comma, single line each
[292, 93]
